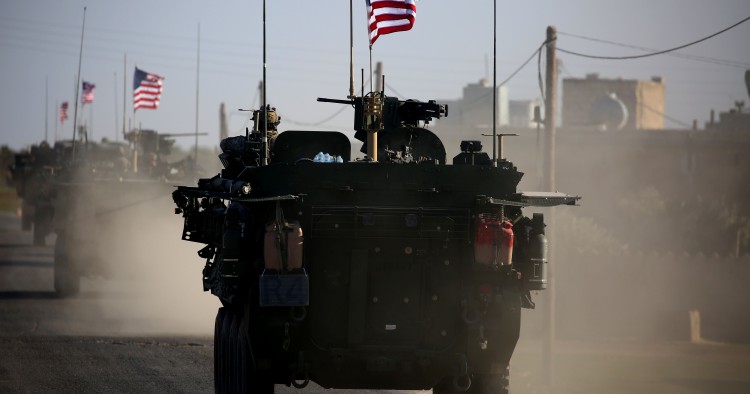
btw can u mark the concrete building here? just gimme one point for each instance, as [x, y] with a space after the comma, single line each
[735, 120]
[521, 113]
[609, 104]
[473, 111]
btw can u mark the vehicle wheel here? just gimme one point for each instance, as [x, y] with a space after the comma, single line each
[67, 280]
[218, 352]
[27, 217]
[480, 384]
[492, 384]
[42, 227]
[244, 360]
[234, 367]
[446, 387]
[225, 364]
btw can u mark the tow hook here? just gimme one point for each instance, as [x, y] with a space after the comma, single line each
[462, 383]
[300, 380]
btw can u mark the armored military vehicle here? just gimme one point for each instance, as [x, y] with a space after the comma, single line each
[100, 196]
[397, 271]
[32, 174]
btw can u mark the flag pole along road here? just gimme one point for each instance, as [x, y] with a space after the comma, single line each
[78, 86]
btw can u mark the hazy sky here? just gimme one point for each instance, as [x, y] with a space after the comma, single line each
[308, 56]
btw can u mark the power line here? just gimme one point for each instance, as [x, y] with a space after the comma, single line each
[653, 53]
[724, 62]
[667, 117]
[394, 91]
[513, 74]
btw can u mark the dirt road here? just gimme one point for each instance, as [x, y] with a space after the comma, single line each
[152, 334]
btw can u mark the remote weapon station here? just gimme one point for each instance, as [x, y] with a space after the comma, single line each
[398, 271]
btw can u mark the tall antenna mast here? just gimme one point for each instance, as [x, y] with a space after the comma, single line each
[124, 91]
[78, 86]
[351, 52]
[46, 107]
[197, 86]
[116, 114]
[264, 138]
[494, 83]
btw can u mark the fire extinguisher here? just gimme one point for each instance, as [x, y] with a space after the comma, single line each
[493, 243]
[485, 239]
[505, 246]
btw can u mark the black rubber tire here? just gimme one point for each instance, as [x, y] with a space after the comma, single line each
[218, 352]
[244, 360]
[42, 225]
[480, 384]
[67, 280]
[234, 369]
[27, 218]
[225, 363]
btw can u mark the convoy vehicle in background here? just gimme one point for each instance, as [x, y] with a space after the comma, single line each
[32, 173]
[101, 195]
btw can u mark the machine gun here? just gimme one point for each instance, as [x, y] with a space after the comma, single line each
[399, 122]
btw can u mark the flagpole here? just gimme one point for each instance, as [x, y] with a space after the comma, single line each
[370, 67]
[116, 115]
[57, 105]
[132, 126]
[124, 92]
[78, 86]
[197, 86]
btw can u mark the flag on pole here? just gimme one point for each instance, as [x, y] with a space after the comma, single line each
[390, 16]
[87, 96]
[147, 89]
[63, 112]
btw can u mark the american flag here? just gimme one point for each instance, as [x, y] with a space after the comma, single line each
[147, 89]
[390, 16]
[63, 112]
[87, 96]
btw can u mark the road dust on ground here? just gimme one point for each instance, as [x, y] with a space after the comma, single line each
[150, 331]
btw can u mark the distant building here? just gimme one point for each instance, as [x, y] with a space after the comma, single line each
[613, 103]
[735, 120]
[521, 113]
[473, 111]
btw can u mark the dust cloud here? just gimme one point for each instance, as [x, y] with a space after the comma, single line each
[144, 279]
[656, 236]
[157, 276]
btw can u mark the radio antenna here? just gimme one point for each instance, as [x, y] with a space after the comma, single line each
[264, 138]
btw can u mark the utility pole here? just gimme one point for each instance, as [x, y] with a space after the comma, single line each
[550, 108]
